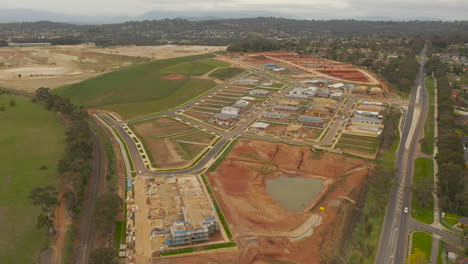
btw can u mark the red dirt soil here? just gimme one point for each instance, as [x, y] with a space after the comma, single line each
[351, 75]
[260, 225]
[173, 77]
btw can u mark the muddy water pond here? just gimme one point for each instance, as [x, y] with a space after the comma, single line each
[294, 193]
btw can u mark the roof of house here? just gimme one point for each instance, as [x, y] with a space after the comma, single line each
[223, 116]
[297, 90]
[230, 108]
[324, 91]
[242, 102]
[367, 112]
[367, 120]
[311, 88]
[259, 91]
[336, 85]
[248, 98]
[349, 85]
[463, 220]
[261, 125]
[286, 107]
[273, 114]
[309, 119]
[337, 94]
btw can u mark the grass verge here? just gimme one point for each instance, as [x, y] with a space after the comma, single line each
[427, 143]
[195, 249]
[218, 209]
[423, 180]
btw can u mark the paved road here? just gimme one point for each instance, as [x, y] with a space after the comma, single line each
[393, 240]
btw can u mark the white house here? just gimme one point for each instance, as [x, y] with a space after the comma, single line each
[297, 91]
[258, 92]
[310, 91]
[367, 114]
[229, 110]
[259, 126]
[248, 98]
[336, 85]
[336, 95]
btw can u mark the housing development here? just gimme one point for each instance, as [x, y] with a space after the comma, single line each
[341, 150]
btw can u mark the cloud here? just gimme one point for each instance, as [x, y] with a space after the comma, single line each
[309, 9]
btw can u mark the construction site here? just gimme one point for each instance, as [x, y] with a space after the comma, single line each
[167, 214]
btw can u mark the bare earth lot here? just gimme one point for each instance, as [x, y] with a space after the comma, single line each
[264, 230]
[57, 66]
[171, 143]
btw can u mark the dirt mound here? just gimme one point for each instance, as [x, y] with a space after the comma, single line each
[173, 77]
[351, 75]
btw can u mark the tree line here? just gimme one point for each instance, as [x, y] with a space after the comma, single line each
[450, 159]
[74, 167]
[221, 31]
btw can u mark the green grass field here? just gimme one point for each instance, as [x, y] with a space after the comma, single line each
[451, 219]
[427, 144]
[143, 88]
[423, 242]
[31, 137]
[423, 168]
[226, 73]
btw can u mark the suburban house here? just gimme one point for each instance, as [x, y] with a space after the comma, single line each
[310, 120]
[367, 121]
[242, 104]
[317, 111]
[324, 93]
[274, 116]
[293, 130]
[259, 92]
[296, 91]
[368, 114]
[348, 88]
[224, 120]
[229, 110]
[285, 109]
[336, 85]
[249, 81]
[259, 126]
[248, 98]
[310, 91]
[337, 96]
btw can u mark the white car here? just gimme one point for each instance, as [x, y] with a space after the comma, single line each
[405, 210]
[140, 172]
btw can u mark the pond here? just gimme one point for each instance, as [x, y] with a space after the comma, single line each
[294, 193]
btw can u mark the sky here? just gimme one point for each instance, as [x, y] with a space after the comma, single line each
[307, 9]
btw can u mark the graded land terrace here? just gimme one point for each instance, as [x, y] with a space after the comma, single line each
[31, 138]
[171, 143]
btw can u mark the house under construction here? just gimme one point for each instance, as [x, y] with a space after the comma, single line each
[199, 220]
[180, 212]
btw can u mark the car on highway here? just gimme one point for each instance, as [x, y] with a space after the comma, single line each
[405, 210]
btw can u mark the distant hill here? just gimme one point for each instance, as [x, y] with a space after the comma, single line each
[29, 15]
